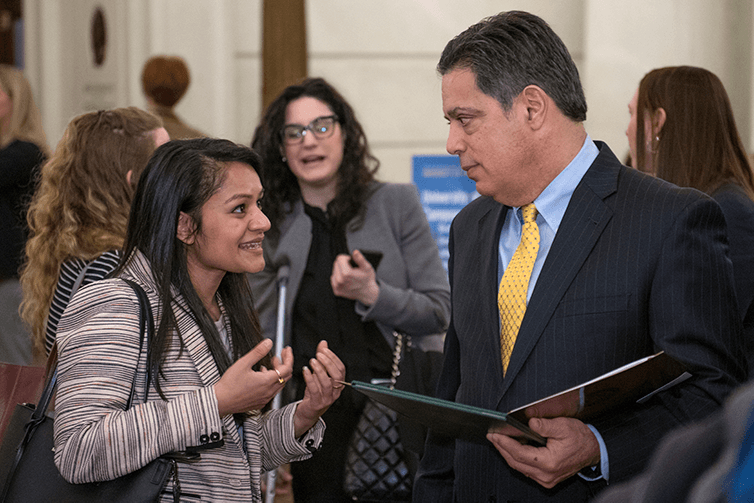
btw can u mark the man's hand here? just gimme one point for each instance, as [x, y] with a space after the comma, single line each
[571, 446]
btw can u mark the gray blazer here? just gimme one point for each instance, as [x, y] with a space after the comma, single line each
[95, 439]
[414, 291]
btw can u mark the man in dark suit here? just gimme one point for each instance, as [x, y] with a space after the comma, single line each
[626, 265]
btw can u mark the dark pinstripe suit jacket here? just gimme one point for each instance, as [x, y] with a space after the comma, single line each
[638, 265]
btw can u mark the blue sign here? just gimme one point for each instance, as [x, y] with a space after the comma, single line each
[444, 189]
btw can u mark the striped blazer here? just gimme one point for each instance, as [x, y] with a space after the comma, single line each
[96, 439]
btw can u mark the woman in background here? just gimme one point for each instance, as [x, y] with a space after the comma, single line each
[326, 209]
[23, 148]
[79, 212]
[165, 80]
[195, 230]
[682, 130]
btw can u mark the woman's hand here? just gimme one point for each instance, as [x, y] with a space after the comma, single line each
[322, 388]
[241, 388]
[355, 283]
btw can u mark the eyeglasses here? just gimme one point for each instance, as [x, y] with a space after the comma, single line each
[321, 127]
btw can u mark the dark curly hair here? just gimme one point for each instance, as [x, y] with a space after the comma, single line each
[355, 174]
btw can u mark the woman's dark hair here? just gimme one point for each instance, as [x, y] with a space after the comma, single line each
[180, 177]
[512, 50]
[698, 146]
[355, 172]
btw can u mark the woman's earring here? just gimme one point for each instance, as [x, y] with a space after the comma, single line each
[652, 145]
[284, 159]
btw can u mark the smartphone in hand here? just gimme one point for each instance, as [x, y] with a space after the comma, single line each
[373, 257]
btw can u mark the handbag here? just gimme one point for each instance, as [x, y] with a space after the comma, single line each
[22, 383]
[18, 384]
[27, 467]
[376, 463]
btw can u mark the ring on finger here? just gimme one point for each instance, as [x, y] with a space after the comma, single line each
[280, 377]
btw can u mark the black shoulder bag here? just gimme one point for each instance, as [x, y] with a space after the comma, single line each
[377, 468]
[27, 467]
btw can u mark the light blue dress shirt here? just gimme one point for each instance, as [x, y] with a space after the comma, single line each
[551, 206]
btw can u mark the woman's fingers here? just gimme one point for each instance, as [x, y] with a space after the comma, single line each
[257, 353]
[283, 368]
[333, 365]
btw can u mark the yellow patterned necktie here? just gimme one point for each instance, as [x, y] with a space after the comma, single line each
[511, 296]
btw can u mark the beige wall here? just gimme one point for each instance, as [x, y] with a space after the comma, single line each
[381, 54]
[626, 39]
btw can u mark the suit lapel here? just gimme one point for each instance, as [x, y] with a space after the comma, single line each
[487, 243]
[583, 223]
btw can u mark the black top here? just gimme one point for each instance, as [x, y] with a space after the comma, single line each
[739, 217]
[319, 315]
[19, 165]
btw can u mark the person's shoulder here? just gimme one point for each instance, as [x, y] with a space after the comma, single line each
[106, 262]
[23, 146]
[477, 210]
[647, 189]
[734, 196]
[23, 149]
[479, 206]
[99, 267]
[392, 189]
[104, 292]
[393, 194]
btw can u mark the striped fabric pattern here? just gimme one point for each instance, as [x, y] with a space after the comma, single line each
[69, 271]
[95, 439]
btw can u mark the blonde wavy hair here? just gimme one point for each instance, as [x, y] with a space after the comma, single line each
[25, 121]
[81, 205]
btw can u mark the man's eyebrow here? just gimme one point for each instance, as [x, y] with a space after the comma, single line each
[455, 112]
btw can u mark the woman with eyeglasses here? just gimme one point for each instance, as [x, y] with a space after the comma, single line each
[327, 212]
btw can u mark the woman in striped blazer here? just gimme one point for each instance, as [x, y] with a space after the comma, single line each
[195, 230]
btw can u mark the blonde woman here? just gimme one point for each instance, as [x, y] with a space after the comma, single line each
[23, 147]
[78, 216]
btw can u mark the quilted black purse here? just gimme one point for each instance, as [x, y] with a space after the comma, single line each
[27, 468]
[377, 467]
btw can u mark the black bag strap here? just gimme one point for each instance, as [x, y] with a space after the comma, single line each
[146, 324]
[401, 340]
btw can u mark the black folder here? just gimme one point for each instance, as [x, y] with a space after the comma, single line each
[635, 382]
[448, 418]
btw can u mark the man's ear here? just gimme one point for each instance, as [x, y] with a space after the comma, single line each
[536, 102]
[186, 229]
[658, 120]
